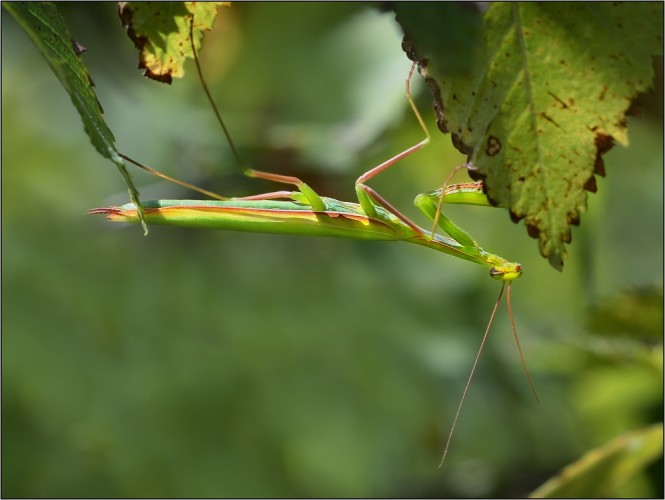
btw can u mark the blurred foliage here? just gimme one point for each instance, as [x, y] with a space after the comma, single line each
[194, 363]
[637, 314]
[602, 472]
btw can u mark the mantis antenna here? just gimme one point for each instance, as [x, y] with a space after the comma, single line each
[475, 363]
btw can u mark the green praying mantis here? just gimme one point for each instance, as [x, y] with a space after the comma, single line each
[304, 212]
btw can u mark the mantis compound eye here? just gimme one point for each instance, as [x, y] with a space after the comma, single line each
[506, 273]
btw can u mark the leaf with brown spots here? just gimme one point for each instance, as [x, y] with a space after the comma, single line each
[161, 32]
[547, 96]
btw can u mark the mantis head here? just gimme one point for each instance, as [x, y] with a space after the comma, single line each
[506, 272]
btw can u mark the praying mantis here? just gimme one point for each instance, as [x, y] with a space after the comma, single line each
[304, 212]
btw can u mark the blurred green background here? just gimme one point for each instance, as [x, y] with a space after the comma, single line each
[193, 363]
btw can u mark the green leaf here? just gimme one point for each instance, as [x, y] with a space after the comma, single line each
[46, 28]
[161, 32]
[602, 472]
[547, 97]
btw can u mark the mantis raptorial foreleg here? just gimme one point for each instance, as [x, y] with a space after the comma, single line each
[446, 183]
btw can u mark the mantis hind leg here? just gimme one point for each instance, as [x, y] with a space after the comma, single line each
[313, 199]
[370, 199]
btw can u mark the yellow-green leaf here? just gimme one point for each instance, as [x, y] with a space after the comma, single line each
[161, 32]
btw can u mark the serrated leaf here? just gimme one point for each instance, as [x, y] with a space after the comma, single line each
[548, 96]
[46, 28]
[161, 32]
[601, 472]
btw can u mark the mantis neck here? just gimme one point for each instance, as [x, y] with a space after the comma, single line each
[452, 247]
